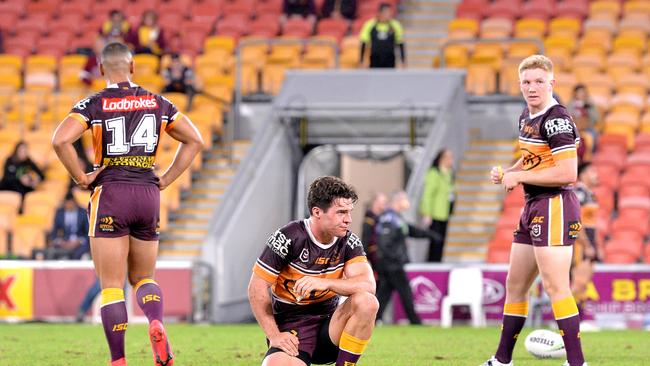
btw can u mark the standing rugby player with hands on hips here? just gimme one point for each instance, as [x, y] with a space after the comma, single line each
[126, 123]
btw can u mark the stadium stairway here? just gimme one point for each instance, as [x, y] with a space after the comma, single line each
[478, 201]
[425, 28]
[188, 226]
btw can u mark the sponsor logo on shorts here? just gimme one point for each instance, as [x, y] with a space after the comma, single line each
[557, 126]
[574, 229]
[304, 255]
[536, 230]
[130, 103]
[106, 224]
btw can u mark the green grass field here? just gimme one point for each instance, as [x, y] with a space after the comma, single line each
[63, 344]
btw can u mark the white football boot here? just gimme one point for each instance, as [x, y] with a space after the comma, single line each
[493, 362]
[566, 363]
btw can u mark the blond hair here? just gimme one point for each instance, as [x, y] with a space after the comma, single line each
[536, 62]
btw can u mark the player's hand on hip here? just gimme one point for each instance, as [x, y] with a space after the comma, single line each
[86, 180]
[496, 174]
[162, 182]
[285, 341]
[305, 285]
[510, 181]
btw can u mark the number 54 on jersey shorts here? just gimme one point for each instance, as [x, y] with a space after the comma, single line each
[119, 209]
[550, 221]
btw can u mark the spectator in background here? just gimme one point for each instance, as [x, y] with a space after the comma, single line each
[69, 237]
[392, 255]
[179, 78]
[90, 72]
[299, 8]
[585, 115]
[148, 37]
[437, 201]
[346, 9]
[21, 174]
[368, 234]
[116, 27]
[382, 34]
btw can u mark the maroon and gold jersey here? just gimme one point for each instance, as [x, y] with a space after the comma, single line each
[545, 138]
[292, 252]
[126, 122]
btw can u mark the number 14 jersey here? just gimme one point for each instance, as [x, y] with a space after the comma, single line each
[127, 123]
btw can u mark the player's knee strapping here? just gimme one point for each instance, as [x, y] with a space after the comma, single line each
[149, 297]
[350, 349]
[114, 320]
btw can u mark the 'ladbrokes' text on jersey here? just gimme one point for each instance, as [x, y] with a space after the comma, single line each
[545, 138]
[127, 122]
[292, 252]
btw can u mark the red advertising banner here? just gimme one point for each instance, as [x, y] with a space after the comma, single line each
[614, 291]
[53, 290]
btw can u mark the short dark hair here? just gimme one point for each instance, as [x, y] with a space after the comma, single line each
[115, 48]
[582, 167]
[579, 86]
[324, 190]
[384, 6]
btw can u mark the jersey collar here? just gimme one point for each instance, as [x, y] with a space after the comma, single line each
[552, 103]
[313, 238]
[114, 86]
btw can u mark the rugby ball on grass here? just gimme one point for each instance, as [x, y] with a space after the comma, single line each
[543, 343]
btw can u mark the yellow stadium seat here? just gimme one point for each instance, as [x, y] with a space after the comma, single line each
[586, 65]
[488, 53]
[249, 79]
[146, 64]
[272, 78]
[509, 77]
[462, 28]
[627, 103]
[10, 83]
[152, 82]
[597, 38]
[631, 42]
[564, 84]
[287, 54]
[218, 62]
[456, 56]
[72, 65]
[221, 92]
[318, 56]
[564, 27]
[10, 64]
[11, 199]
[82, 197]
[634, 22]
[521, 50]
[605, 8]
[254, 54]
[632, 83]
[480, 79]
[179, 100]
[621, 129]
[40, 63]
[530, 28]
[28, 234]
[496, 28]
[623, 63]
[221, 42]
[40, 80]
[600, 84]
[636, 7]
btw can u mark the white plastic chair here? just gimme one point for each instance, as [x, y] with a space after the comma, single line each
[465, 288]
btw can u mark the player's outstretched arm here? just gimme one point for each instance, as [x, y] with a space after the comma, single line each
[564, 172]
[69, 131]
[260, 300]
[191, 144]
[358, 278]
